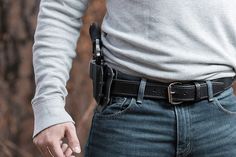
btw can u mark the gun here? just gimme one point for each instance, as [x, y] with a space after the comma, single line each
[100, 73]
[95, 35]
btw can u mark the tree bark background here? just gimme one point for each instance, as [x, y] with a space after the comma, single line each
[17, 25]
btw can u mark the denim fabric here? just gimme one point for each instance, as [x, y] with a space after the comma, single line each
[155, 128]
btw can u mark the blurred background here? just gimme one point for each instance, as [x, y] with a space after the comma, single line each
[17, 26]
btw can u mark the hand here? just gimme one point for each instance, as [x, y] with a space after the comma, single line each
[49, 141]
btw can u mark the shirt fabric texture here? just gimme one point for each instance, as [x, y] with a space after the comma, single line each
[164, 40]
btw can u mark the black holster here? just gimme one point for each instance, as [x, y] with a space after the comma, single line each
[102, 76]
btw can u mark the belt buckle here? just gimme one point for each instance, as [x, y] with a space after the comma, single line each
[170, 94]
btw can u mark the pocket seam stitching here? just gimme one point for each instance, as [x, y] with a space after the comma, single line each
[119, 113]
[222, 109]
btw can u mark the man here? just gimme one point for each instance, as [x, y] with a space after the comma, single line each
[180, 56]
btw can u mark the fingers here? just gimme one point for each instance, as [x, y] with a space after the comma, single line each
[49, 147]
[64, 147]
[73, 140]
[49, 141]
[56, 149]
[61, 150]
[66, 150]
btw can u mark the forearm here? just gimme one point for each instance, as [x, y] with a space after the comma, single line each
[59, 22]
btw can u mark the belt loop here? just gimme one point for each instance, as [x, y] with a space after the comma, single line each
[141, 90]
[210, 90]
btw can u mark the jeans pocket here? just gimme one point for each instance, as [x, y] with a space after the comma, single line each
[117, 107]
[226, 101]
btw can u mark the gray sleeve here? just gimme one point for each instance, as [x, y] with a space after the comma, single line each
[56, 35]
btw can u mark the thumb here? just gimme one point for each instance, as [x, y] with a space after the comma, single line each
[72, 138]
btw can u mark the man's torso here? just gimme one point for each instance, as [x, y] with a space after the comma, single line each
[171, 40]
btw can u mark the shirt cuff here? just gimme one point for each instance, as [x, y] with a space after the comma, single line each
[48, 113]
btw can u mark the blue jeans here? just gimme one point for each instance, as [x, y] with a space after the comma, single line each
[155, 128]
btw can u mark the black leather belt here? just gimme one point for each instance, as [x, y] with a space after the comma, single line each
[175, 92]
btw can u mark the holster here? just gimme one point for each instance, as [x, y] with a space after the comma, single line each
[102, 76]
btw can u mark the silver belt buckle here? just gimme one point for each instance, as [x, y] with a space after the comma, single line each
[170, 94]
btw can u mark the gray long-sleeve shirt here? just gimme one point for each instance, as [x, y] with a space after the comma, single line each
[165, 40]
